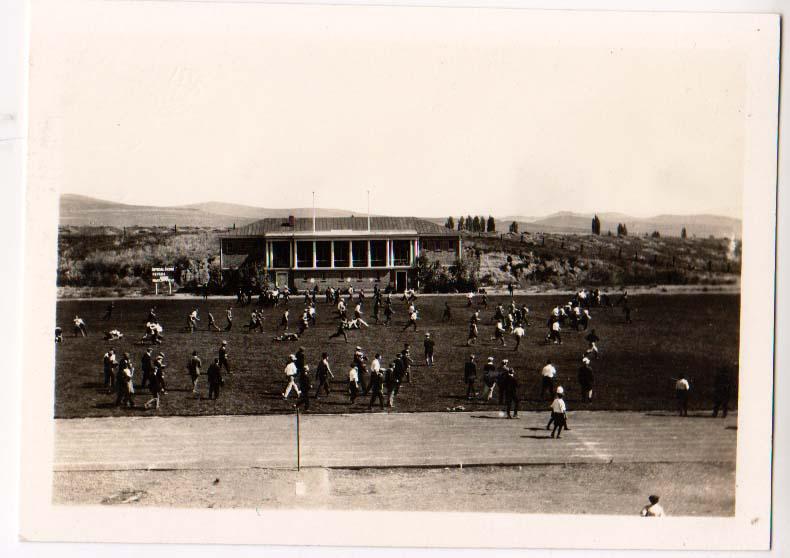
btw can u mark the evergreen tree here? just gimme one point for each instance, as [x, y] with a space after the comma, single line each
[683, 233]
[476, 224]
[491, 227]
[514, 227]
[450, 224]
[596, 225]
[461, 223]
[470, 224]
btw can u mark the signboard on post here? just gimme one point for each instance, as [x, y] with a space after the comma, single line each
[163, 275]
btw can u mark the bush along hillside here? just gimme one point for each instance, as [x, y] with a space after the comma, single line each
[122, 258]
[567, 260]
[111, 261]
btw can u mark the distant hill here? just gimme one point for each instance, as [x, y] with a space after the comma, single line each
[76, 210]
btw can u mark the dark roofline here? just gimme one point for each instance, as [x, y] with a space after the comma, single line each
[272, 226]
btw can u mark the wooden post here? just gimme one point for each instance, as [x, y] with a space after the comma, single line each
[298, 442]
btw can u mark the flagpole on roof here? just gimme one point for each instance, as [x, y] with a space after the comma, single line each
[368, 210]
[313, 211]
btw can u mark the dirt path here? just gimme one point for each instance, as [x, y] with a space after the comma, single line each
[388, 440]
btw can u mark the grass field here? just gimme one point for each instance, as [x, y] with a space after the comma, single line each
[670, 334]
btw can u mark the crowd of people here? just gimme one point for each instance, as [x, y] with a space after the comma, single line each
[379, 378]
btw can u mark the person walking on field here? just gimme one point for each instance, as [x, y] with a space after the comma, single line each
[125, 384]
[146, 363]
[412, 319]
[229, 318]
[501, 379]
[323, 373]
[223, 357]
[489, 379]
[156, 384]
[192, 321]
[471, 339]
[214, 378]
[510, 385]
[79, 327]
[499, 333]
[547, 375]
[108, 311]
[193, 366]
[429, 347]
[585, 377]
[353, 383]
[592, 350]
[558, 415]
[376, 388]
[682, 388]
[518, 332]
[305, 385]
[290, 373]
[388, 312]
[342, 326]
[447, 315]
[212, 324]
[284, 320]
[110, 363]
[470, 377]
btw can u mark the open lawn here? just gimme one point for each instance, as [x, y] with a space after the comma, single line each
[670, 334]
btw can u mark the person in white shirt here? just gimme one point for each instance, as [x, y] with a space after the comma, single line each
[653, 509]
[518, 333]
[547, 373]
[682, 388]
[353, 383]
[469, 298]
[290, 372]
[80, 327]
[193, 320]
[554, 333]
[558, 415]
[412, 319]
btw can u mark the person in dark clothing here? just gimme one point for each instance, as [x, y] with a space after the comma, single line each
[430, 344]
[108, 311]
[470, 377]
[362, 370]
[510, 388]
[627, 312]
[214, 378]
[341, 330]
[407, 362]
[447, 315]
[376, 389]
[229, 317]
[585, 377]
[721, 392]
[393, 379]
[304, 386]
[510, 289]
[147, 366]
[500, 380]
[388, 312]
[300, 360]
[223, 357]
[323, 373]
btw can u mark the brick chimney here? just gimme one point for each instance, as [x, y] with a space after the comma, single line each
[291, 220]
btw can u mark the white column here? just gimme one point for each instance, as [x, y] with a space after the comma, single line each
[369, 260]
[332, 254]
[387, 253]
[315, 256]
[350, 253]
[295, 255]
[268, 254]
[412, 252]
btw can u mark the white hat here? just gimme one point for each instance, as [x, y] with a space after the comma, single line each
[292, 357]
[490, 359]
[560, 390]
[586, 360]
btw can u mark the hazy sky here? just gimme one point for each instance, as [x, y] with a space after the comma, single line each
[436, 111]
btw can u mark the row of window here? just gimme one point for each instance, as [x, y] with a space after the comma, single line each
[345, 254]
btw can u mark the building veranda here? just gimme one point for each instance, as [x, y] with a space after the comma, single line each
[302, 253]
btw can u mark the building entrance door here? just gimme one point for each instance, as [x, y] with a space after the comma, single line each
[401, 278]
[281, 279]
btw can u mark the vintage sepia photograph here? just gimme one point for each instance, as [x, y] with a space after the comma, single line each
[316, 259]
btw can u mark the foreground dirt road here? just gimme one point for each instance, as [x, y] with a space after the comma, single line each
[388, 440]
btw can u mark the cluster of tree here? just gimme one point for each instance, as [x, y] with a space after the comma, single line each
[513, 227]
[473, 224]
[622, 230]
[596, 225]
[683, 233]
[434, 277]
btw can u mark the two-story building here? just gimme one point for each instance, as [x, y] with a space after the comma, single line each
[339, 251]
